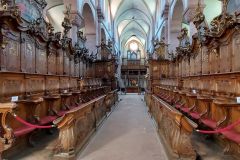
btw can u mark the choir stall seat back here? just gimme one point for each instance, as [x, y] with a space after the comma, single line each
[216, 117]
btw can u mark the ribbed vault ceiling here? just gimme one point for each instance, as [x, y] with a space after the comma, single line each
[133, 19]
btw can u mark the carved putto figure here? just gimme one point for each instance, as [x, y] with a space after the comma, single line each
[160, 48]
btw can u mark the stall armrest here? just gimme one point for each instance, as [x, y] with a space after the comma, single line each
[8, 136]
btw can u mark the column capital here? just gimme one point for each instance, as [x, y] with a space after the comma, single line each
[76, 18]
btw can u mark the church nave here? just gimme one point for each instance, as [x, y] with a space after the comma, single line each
[127, 134]
[119, 79]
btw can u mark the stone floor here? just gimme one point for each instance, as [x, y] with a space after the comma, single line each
[128, 134]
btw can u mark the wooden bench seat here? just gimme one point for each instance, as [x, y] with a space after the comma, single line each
[195, 115]
[209, 123]
[232, 109]
[185, 109]
[201, 108]
[47, 119]
[191, 103]
[30, 104]
[179, 105]
[89, 116]
[216, 117]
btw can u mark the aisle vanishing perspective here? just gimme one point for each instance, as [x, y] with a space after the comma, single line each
[127, 134]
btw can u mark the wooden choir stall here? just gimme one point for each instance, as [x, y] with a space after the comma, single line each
[197, 88]
[106, 64]
[43, 83]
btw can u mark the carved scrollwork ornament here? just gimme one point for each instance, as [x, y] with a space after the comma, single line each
[184, 48]
[214, 51]
[67, 22]
[201, 25]
[3, 5]
[58, 36]
[223, 21]
[50, 30]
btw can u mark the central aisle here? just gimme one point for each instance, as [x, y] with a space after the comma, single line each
[128, 134]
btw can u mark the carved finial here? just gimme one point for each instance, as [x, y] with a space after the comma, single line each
[66, 22]
[199, 7]
[199, 17]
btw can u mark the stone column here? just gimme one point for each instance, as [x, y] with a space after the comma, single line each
[166, 19]
[76, 20]
[98, 27]
[75, 17]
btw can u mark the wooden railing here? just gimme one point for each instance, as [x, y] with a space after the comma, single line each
[76, 123]
[174, 128]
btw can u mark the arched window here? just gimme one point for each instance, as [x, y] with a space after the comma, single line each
[133, 56]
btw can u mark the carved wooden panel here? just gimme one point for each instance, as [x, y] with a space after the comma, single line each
[171, 70]
[77, 69]
[187, 84]
[174, 128]
[180, 68]
[214, 61]
[154, 69]
[198, 64]
[60, 62]
[165, 69]
[64, 83]
[73, 83]
[41, 61]
[28, 58]
[10, 53]
[192, 67]
[195, 84]
[72, 65]
[206, 84]
[3, 57]
[184, 69]
[187, 63]
[35, 84]
[81, 69]
[205, 61]
[99, 69]
[225, 58]
[66, 65]
[236, 53]
[52, 83]
[52, 60]
[13, 56]
[11, 85]
[226, 85]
